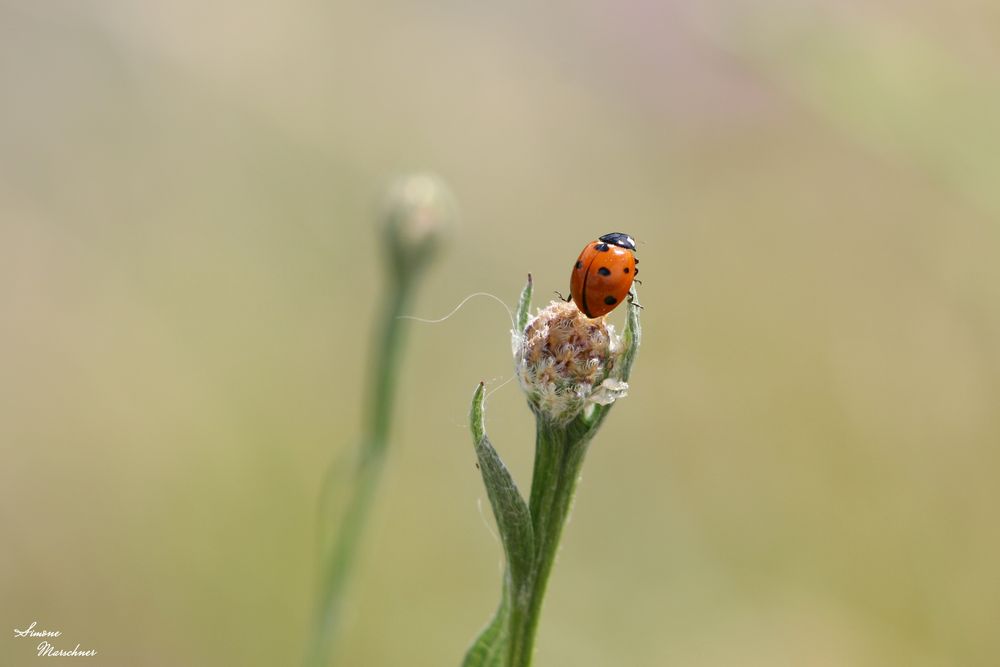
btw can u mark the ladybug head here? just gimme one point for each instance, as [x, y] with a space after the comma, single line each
[620, 240]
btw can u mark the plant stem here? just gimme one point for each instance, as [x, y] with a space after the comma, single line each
[558, 459]
[343, 554]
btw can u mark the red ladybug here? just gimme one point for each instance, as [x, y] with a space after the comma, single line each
[603, 274]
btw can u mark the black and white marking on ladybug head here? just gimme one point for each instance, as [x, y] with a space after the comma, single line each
[620, 240]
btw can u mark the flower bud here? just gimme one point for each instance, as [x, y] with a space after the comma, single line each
[567, 362]
[420, 214]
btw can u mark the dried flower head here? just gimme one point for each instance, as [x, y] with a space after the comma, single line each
[567, 362]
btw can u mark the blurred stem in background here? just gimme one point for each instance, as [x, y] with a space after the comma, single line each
[419, 214]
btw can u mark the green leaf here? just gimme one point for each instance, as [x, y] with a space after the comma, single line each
[523, 306]
[509, 508]
[632, 336]
[491, 648]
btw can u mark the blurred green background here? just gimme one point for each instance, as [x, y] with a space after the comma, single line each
[805, 472]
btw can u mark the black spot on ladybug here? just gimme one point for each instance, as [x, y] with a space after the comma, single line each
[626, 269]
[610, 300]
[604, 271]
[601, 247]
[579, 264]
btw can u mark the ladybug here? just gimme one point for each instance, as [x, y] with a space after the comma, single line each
[603, 274]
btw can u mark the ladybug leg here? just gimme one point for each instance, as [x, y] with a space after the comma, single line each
[567, 299]
[633, 302]
[637, 281]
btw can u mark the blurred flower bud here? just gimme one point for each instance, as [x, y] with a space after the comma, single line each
[419, 214]
[567, 363]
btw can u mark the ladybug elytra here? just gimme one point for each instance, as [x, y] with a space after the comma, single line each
[603, 274]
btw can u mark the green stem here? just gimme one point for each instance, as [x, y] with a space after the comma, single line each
[386, 362]
[558, 459]
[341, 558]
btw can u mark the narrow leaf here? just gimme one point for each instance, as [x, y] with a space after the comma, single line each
[523, 306]
[509, 508]
[632, 336]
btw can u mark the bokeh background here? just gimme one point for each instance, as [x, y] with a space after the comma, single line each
[806, 472]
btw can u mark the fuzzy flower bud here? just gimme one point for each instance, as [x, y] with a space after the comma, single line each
[567, 363]
[420, 213]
